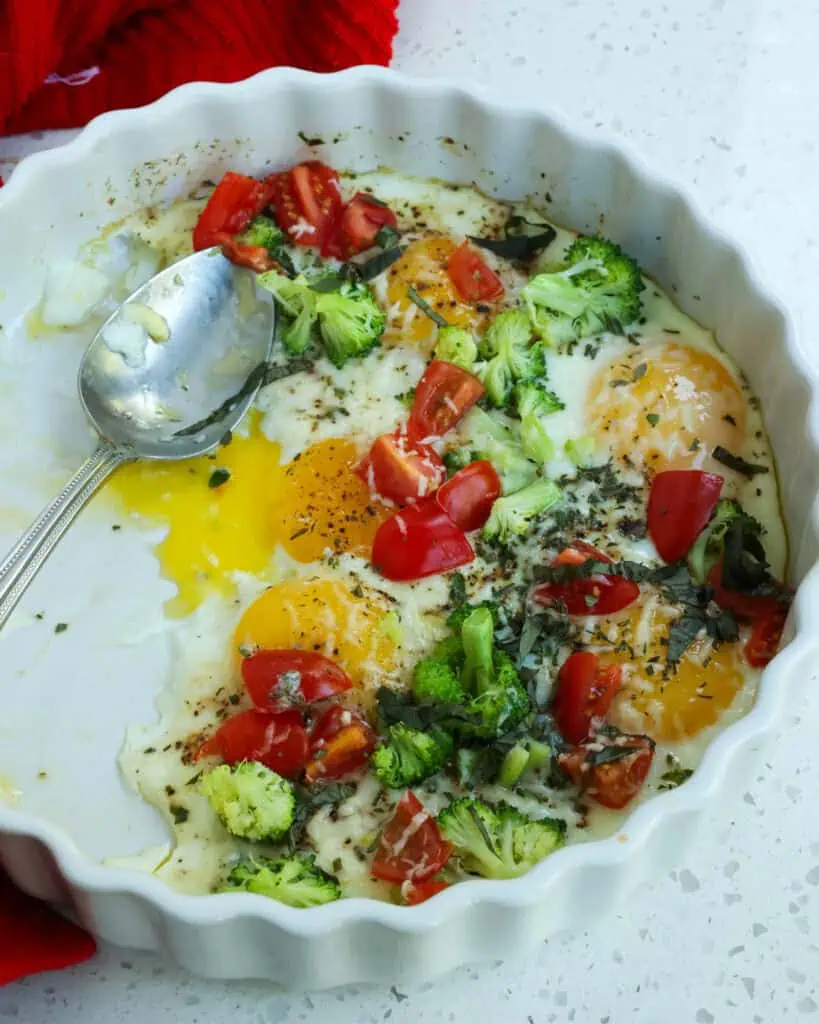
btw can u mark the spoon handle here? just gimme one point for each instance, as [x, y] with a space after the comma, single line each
[24, 560]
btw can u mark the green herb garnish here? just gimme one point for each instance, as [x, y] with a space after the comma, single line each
[425, 308]
[218, 477]
[737, 463]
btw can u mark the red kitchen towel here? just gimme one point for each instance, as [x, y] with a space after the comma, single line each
[62, 62]
[33, 938]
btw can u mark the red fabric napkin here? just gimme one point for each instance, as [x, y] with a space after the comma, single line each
[62, 62]
[33, 938]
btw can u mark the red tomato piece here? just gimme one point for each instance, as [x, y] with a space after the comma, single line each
[578, 552]
[603, 594]
[468, 497]
[584, 694]
[318, 677]
[340, 744]
[475, 281]
[419, 892]
[400, 470]
[255, 257]
[360, 221]
[411, 848]
[766, 634]
[443, 396]
[744, 606]
[613, 783]
[420, 540]
[680, 504]
[307, 201]
[276, 739]
[235, 201]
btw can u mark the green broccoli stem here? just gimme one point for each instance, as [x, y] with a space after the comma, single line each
[513, 765]
[477, 634]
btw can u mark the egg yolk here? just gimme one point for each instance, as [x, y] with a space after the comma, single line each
[666, 704]
[228, 511]
[325, 616]
[668, 406]
[423, 267]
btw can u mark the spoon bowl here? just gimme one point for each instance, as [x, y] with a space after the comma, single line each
[174, 397]
[173, 370]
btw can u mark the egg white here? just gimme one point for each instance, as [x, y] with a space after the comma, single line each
[361, 401]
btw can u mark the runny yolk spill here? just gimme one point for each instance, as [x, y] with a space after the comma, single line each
[310, 505]
[423, 267]
[321, 615]
[669, 405]
[671, 705]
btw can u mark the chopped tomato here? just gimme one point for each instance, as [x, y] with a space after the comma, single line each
[766, 634]
[340, 743]
[680, 504]
[578, 552]
[469, 496]
[274, 678]
[615, 781]
[601, 594]
[235, 201]
[411, 848]
[307, 200]
[419, 892]
[475, 281]
[584, 694]
[255, 257]
[400, 470]
[744, 606]
[443, 396]
[360, 221]
[276, 739]
[420, 540]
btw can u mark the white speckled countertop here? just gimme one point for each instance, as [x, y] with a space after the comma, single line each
[724, 93]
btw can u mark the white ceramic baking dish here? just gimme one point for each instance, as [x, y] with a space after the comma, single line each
[67, 697]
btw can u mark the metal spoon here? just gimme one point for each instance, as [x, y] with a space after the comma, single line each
[175, 399]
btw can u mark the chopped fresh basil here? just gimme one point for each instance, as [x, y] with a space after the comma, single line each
[311, 140]
[394, 707]
[377, 264]
[737, 463]
[457, 589]
[254, 379]
[517, 247]
[652, 418]
[388, 237]
[425, 307]
[675, 777]
[218, 477]
[639, 372]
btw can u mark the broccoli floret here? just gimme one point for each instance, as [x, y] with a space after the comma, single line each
[298, 302]
[500, 700]
[513, 514]
[498, 842]
[293, 880]
[455, 345]
[263, 231]
[411, 755]
[502, 706]
[457, 459]
[510, 355]
[533, 401]
[597, 289]
[252, 801]
[491, 439]
[350, 322]
[435, 679]
[708, 547]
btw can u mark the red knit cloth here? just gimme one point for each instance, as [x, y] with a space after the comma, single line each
[64, 61]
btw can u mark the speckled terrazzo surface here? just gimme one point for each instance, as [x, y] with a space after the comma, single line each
[723, 94]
